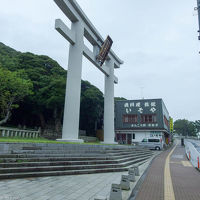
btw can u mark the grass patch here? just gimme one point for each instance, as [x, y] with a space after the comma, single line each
[20, 161]
[40, 140]
[25, 140]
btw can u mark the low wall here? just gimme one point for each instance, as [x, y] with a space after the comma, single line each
[14, 132]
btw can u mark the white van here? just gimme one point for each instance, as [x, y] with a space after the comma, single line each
[152, 143]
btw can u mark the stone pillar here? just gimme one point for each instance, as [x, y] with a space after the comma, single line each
[20, 133]
[3, 133]
[6, 133]
[70, 130]
[109, 133]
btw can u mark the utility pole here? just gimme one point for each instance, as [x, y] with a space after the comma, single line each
[198, 10]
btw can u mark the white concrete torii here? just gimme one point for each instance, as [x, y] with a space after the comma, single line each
[82, 27]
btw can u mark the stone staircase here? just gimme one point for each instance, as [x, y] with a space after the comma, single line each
[34, 161]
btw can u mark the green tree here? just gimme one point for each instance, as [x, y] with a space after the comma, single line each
[185, 127]
[91, 111]
[197, 125]
[52, 96]
[13, 88]
[119, 98]
[49, 81]
[45, 107]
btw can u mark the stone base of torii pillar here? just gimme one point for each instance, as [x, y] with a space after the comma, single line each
[71, 140]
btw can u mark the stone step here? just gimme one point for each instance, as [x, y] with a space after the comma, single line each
[55, 152]
[22, 155]
[81, 147]
[78, 151]
[74, 152]
[56, 163]
[75, 169]
[59, 173]
[36, 160]
[48, 159]
[128, 150]
[128, 153]
[128, 158]
[132, 162]
[25, 155]
[62, 173]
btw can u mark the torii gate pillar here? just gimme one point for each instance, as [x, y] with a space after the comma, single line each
[70, 130]
[109, 133]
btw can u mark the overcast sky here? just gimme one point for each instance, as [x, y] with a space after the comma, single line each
[156, 39]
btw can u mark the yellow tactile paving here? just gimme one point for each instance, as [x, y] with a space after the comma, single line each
[168, 187]
[186, 164]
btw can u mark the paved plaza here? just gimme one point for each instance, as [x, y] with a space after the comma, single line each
[79, 187]
[76, 187]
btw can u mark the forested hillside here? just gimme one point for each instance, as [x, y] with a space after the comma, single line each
[42, 106]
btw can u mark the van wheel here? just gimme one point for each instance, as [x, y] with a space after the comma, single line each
[157, 148]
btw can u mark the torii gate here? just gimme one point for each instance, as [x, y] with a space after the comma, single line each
[82, 27]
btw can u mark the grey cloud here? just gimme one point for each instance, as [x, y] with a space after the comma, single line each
[156, 39]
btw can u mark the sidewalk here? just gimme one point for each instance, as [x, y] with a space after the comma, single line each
[153, 185]
[185, 178]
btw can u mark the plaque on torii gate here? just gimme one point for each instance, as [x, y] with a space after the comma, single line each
[82, 27]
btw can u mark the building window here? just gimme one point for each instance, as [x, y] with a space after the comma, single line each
[148, 119]
[131, 119]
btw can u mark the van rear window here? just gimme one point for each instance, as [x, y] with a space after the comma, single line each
[154, 140]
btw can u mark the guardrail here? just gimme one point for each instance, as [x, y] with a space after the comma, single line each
[14, 132]
[192, 153]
